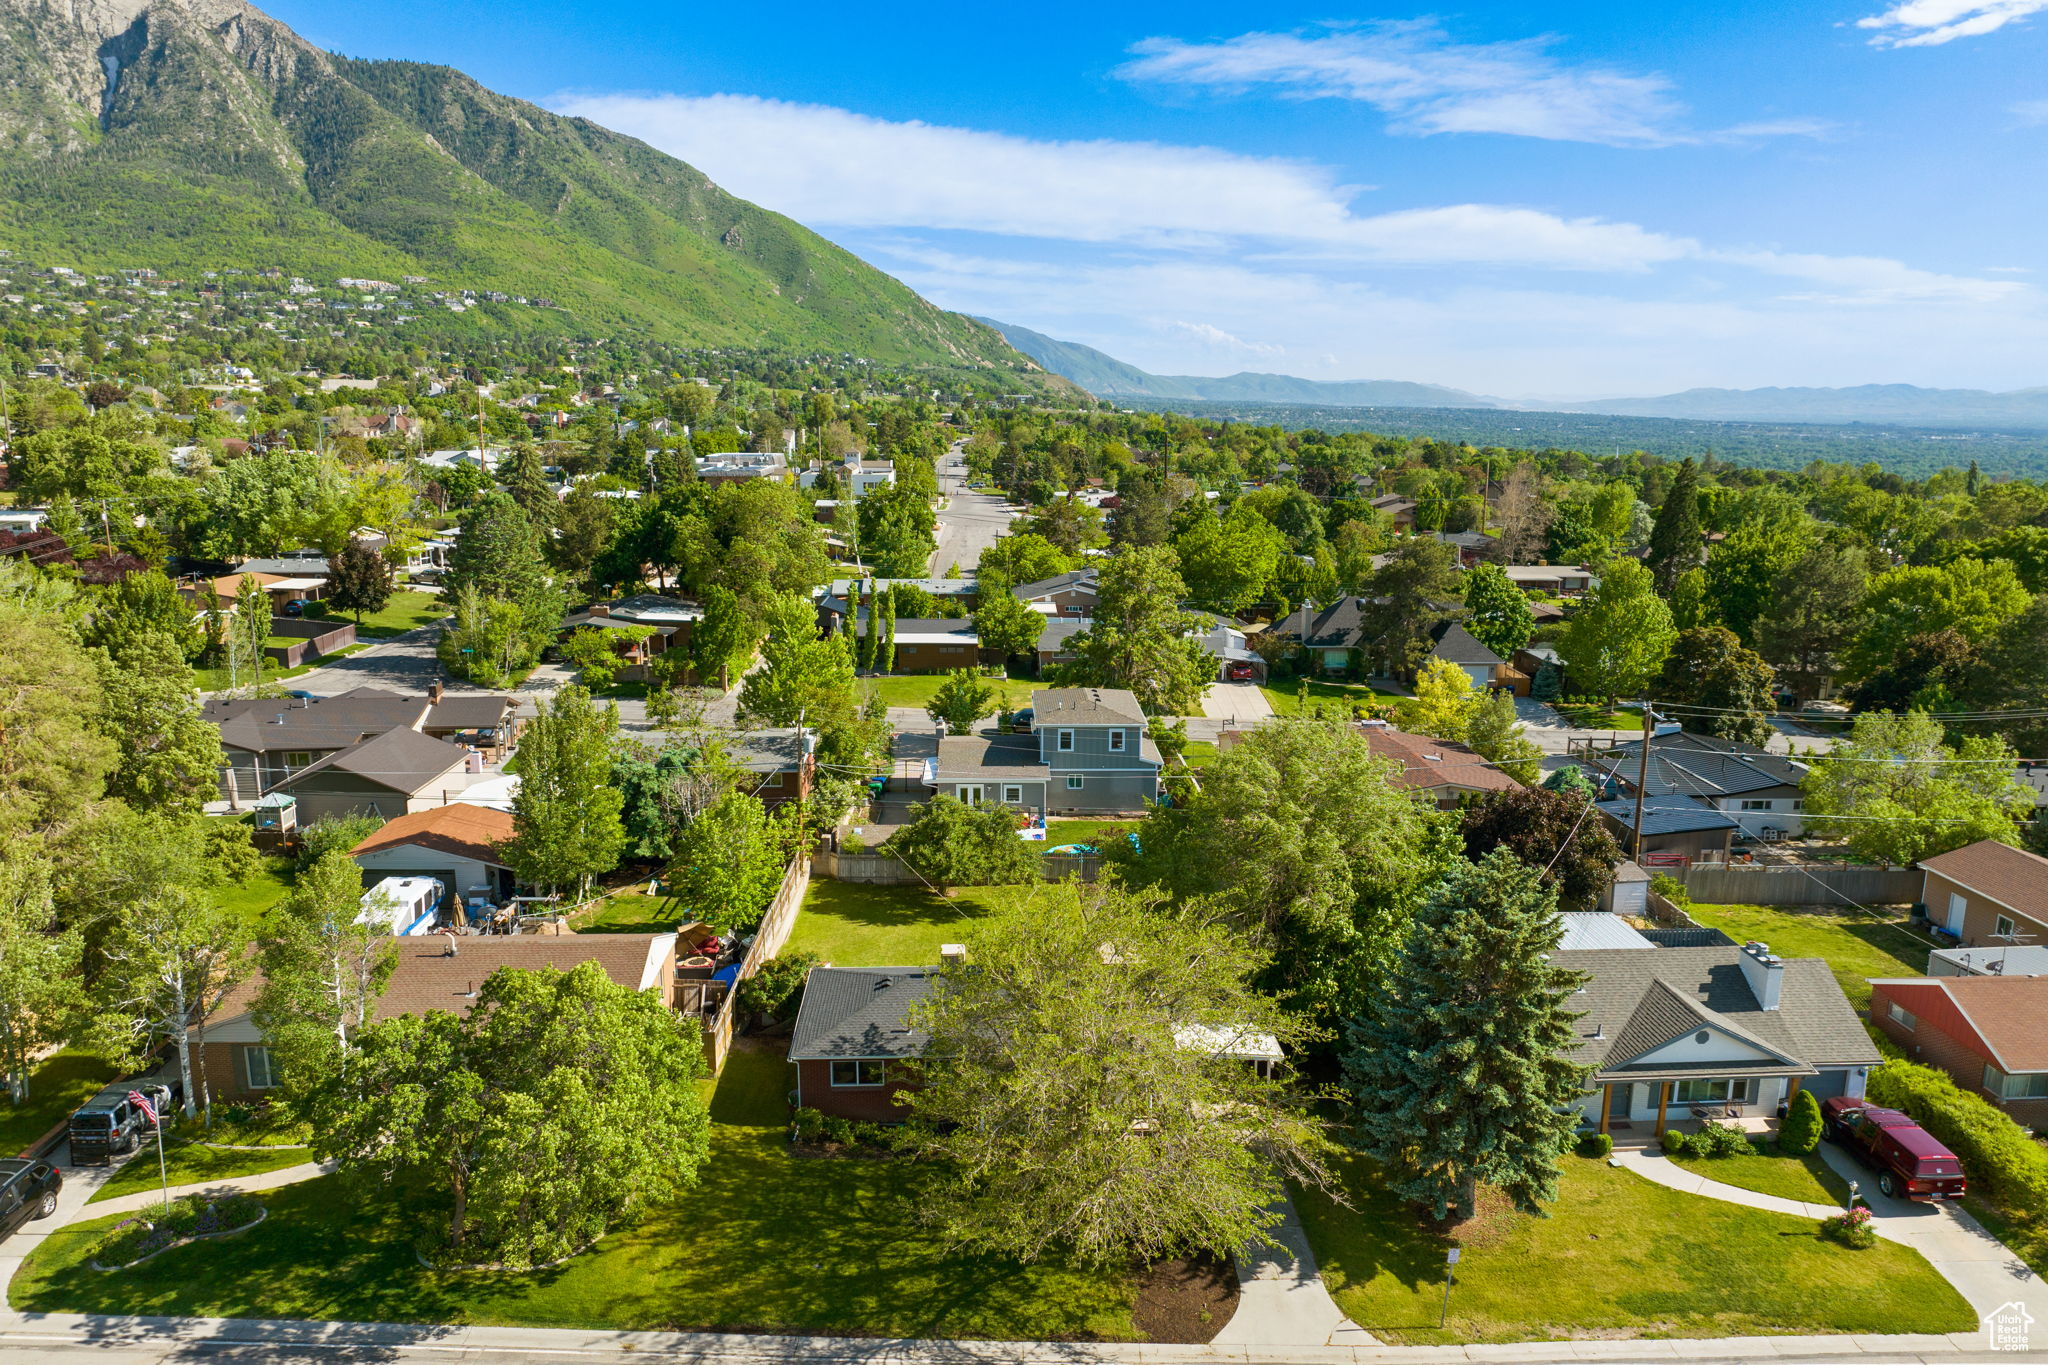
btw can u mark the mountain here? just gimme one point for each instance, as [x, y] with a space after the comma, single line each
[1107, 377]
[194, 134]
[1877, 403]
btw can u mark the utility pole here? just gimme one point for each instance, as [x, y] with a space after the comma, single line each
[1635, 851]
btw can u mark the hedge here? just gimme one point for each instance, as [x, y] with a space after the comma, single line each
[2003, 1164]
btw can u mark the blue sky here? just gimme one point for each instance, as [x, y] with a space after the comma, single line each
[1569, 200]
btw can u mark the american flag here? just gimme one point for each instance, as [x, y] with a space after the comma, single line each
[141, 1101]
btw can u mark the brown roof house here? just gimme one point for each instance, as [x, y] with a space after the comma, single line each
[267, 740]
[456, 844]
[431, 975]
[1987, 893]
[1437, 768]
[1989, 1033]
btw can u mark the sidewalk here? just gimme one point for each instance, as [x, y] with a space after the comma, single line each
[1281, 1298]
[149, 1199]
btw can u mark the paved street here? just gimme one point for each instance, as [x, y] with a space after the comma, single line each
[969, 523]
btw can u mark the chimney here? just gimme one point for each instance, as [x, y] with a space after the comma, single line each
[600, 609]
[952, 954]
[435, 692]
[1764, 972]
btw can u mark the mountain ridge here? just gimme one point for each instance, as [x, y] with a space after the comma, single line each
[191, 134]
[1881, 404]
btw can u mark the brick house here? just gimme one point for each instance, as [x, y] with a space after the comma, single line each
[1983, 891]
[1989, 1033]
[853, 1035]
[781, 764]
[427, 977]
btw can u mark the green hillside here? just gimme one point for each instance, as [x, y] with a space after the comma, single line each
[225, 140]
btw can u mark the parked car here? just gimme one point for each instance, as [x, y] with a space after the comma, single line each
[1910, 1162]
[301, 694]
[1238, 670]
[1020, 721]
[295, 608]
[28, 1189]
[110, 1124]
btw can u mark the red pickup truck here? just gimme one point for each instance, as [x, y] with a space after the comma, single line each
[1909, 1162]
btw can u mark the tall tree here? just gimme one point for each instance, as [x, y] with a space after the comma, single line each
[804, 678]
[1678, 539]
[1496, 611]
[1413, 592]
[1716, 687]
[41, 992]
[1618, 642]
[1551, 831]
[324, 964]
[1522, 515]
[358, 580]
[723, 638]
[1228, 561]
[169, 754]
[1088, 1016]
[56, 757]
[529, 1126]
[1457, 1069]
[1971, 596]
[1006, 626]
[728, 863]
[1018, 559]
[565, 816]
[896, 531]
[1443, 704]
[1896, 793]
[1816, 609]
[1140, 639]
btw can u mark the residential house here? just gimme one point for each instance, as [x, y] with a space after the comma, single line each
[1329, 636]
[265, 740]
[1056, 640]
[1718, 1028]
[932, 646]
[1554, 580]
[1457, 645]
[741, 467]
[456, 844]
[1987, 894]
[1070, 595]
[484, 458]
[1472, 546]
[387, 776]
[433, 973]
[854, 1033]
[670, 618]
[1999, 958]
[1444, 772]
[1088, 752]
[845, 595]
[279, 588]
[861, 477]
[781, 765]
[1399, 511]
[1759, 790]
[1989, 1033]
[23, 519]
[1675, 829]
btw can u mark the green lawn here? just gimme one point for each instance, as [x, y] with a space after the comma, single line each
[852, 925]
[55, 1088]
[1599, 718]
[217, 679]
[632, 912]
[408, 609]
[189, 1163]
[1199, 754]
[764, 1241]
[1617, 1257]
[1096, 832]
[1808, 1178]
[917, 689]
[1856, 945]
[251, 900]
[1286, 696]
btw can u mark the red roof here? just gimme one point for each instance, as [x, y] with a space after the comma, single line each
[1427, 764]
[2011, 876]
[2003, 1019]
[459, 828]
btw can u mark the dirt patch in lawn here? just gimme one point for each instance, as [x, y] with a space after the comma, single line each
[1187, 1301]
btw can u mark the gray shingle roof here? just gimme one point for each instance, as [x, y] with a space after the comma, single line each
[851, 1012]
[1667, 815]
[1085, 706]
[403, 760]
[1698, 765]
[977, 758]
[1455, 644]
[1635, 1002]
[1065, 582]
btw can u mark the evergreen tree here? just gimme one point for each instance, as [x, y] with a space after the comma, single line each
[525, 479]
[1457, 1069]
[1678, 539]
[1733, 689]
[723, 639]
[885, 659]
[1800, 1132]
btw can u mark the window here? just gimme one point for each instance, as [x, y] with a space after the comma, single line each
[1065, 742]
[1116, 741]
[2002, 925]
[772, 780]
[1074, 783]
[1013, 796]
[1710, 1092]
[2030, 1085]
[1799, 804]
[297, 758]
[1703, 1037]
[258, 1069]
[1759, 805]
[853, 1075]
[1901, 1016]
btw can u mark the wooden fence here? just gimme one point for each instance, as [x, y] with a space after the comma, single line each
[769, 939]
[1803, 884]
[882, 869]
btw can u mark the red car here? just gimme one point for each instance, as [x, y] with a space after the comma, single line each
[1909, 1161]
[1239, 671]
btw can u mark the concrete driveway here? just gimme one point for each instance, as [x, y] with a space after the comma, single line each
[1238, 703]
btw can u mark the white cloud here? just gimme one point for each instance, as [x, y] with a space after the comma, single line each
[2030, 113]
[1873, 279]
[826, 165]
[1217, 338]
[1427, 83]
[1929, 23]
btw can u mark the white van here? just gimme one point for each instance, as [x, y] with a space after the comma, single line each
[404, 905]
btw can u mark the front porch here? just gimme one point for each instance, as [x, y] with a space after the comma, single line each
[1630, 1109]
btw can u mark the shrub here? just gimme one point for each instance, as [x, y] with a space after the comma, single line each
[852, 843]
[1671, 889]
[1800, 1132]
[148, 1233]
[1717, 1140]
[837, 1129]
[2004, 1165]
[1596, 1145]
[1851, 1229]
[807, 1126]
[1674, 1142]
[775, 989]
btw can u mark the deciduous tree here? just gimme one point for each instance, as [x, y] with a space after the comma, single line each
[949, 842]
[1551, 831]
[565, 816]
[1496, 611]
[358, 580]
[962, 699]
[1896, 793]
[1619, 640]
[324, 964]
[1140, 639]
[1716, 687]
